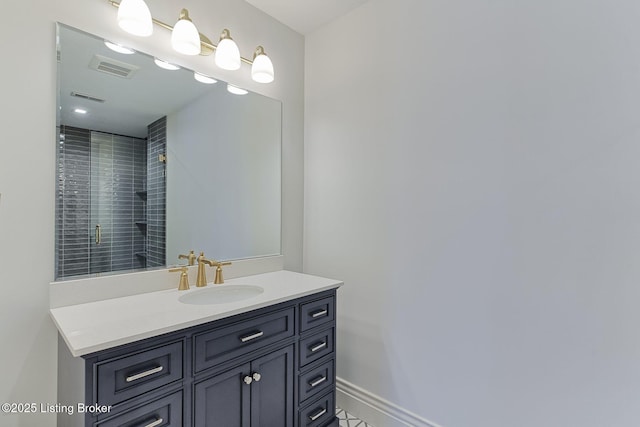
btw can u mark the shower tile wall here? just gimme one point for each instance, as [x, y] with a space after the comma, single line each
[156, 193]
[72, 201]
[115, 168]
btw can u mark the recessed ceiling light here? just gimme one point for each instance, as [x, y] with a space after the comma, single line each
[204, 79]
[236, 90]
[120, 49]
[164, 64]
[80, 111]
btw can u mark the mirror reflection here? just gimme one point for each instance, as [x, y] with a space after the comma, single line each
[152, 163]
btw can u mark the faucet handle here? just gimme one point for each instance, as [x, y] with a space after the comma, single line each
[191, 257]
[184, 277]
[219, 279]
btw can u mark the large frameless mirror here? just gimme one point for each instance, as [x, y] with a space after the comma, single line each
[152, 163]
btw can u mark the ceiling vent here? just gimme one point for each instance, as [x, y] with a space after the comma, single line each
[87, 97]
[113, 67]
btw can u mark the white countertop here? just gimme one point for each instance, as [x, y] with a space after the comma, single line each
[95, 326]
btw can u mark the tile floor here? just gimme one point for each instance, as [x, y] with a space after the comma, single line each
[348, 420]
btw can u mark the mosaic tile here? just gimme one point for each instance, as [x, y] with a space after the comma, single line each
[348, 420]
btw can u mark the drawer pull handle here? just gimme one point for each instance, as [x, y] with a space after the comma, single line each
[318, 414]
[317, 347]
[145, 374]
[155, 423]
[317, 381]
[252, 336]
[320, 313]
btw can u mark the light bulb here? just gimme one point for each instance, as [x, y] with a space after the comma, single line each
[236, 90]
[185, 37]
[262, 68]
[135, 18]
[164, 64]
[227, 54]
[204, 79]
[120, 49]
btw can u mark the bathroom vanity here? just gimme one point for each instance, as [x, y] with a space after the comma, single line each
[151, 360]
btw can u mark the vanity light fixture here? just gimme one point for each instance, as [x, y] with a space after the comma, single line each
[204, 79]
[136, 19]
[227, 54]
[262, 68]
[118, 48]
[164, 64]
[236, 90]
[185, 37]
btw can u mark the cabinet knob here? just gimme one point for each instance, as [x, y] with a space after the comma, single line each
[256, 376]
[248, 380]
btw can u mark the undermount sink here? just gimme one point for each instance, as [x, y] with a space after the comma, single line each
[221, 294]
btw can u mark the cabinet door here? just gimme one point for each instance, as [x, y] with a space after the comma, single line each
[272, 394]
[223, 400]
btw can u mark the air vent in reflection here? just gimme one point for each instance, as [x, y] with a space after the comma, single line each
[87, 97]
[113, 67]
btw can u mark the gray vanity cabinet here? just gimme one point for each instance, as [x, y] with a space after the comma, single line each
[270, 367]
[255, 394]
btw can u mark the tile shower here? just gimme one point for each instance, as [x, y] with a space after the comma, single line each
[117, 183]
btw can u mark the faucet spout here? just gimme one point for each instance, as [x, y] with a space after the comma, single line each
[191, 257]
[201, 278]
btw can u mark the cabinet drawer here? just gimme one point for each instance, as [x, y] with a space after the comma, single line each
[316, 313]
[226, 343]
[126, 377]
[163, 412]
[316, 346]
[316, 380]
[319, 413]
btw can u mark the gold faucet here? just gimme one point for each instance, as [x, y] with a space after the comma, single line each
[201, 279]
[184, 277]
[191, 257]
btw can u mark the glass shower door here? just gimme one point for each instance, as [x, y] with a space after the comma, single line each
[101, 204]
[101, 211]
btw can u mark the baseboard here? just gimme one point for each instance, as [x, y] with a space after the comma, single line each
[374, 409]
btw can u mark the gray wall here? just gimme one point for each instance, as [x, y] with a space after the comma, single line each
[472, 175]
[27, 160]
[223, 194]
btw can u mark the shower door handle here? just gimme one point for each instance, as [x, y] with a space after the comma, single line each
[98, 234]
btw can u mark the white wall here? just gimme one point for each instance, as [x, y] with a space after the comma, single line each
[471, 173]
[223, 164]
[27, 166]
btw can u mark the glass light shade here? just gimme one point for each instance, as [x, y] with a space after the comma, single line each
[204, 79]
[120, 49]
[185, 38]
[164, 64]
[236, 90]
[227, 55]
[262, 69]
[135, 18]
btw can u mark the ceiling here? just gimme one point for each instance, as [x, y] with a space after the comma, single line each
[119, 105]
[305, 16]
